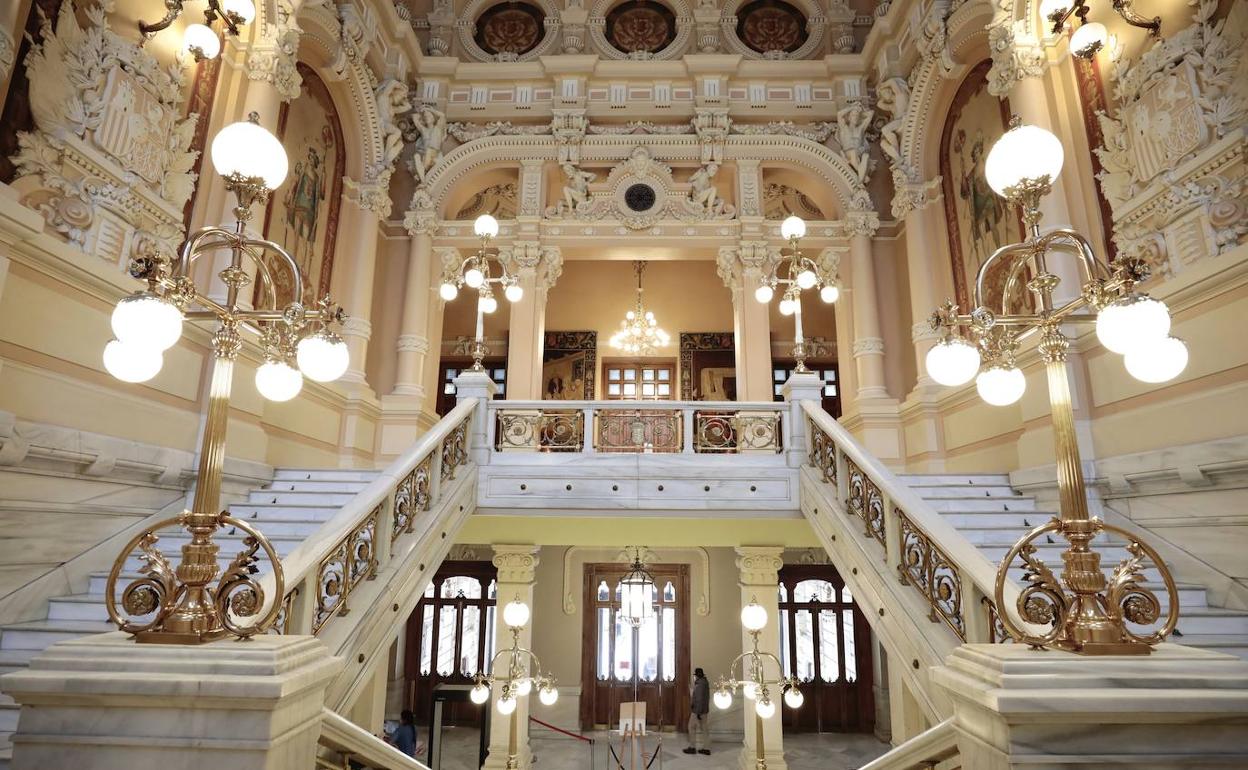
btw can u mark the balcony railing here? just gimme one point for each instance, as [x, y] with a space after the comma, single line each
[674, 427]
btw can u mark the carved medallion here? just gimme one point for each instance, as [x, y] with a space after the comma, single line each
[640, 197]
[771, 25]
[514, 28]
[641, 26]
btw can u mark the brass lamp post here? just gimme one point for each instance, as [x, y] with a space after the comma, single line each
[179, 606]
[521, 672]
[1087, 613]
[755, 684]
[801, 273]
[475, 272]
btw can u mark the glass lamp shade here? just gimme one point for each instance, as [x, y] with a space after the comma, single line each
[524, 687]
[145, 320]
[749, 691]
[129, 362]
[793, 227]
[514, 292]
[278, 381]
[807, 279]
[637, 595]
[793, 698]
[487, 304]
[1050, 7]
[245, 10]
[1000, 386]
[516, 613]
[548, 696]
[764, 293]
[448, 291]
[249, 150]
[787, 306]
[753, 617]
[474, 277]
[830, 294]
[723, 699]
[506, 705]
[1131, 321]
[952, 362]
[479, 694]
[201, 41]
[1021, 154]
[486, 226]
[1089, 39]
[765, 708]
[1157, 361]
[323, 356]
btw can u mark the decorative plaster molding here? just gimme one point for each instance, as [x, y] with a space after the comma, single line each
[466, 27]
[412, 343]
[759, 566]
[356, 326]
[271, 58]
[862, 223]
[515, 564]
[572, 587]
[815, 23]
[921, 332]
[868, 346]
[8, 54]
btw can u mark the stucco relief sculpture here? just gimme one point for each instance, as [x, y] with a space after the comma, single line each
[468, 132]
[272, 57]
[392, 102]
[430, 125]
[702, 190]
[576, 189]
[819, 131]
[852, 122]
[108, 163]
[893, 97]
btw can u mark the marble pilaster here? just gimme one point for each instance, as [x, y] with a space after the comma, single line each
[517, 565]
[414, 345]
[354, 290]
[742, 269]
[758, 574]
[868, 339]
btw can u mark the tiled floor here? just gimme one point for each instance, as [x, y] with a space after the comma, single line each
[827, 751]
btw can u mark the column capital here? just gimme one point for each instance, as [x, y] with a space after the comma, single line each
[861, 223]
[372, 196]
[1015, 56]
[515, 564]
[914, 196]
[759, 565]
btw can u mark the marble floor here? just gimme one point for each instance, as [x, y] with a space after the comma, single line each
[826, 751]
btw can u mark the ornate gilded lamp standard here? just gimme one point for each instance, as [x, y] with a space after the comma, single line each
[200, 40]
[1087, 614]
[801, 273]
[476, 273]
[177, 605]
[520, 674]
[754, 682]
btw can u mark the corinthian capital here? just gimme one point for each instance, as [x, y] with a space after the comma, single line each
[862, 223]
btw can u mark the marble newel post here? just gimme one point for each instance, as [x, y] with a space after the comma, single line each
[868, 339]
[537, 267]
[516, 566]
[759, 568]
[108, 703]
[1015, 707]
[413, 344]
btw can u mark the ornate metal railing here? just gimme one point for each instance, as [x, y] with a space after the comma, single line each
[688, 427]
[911, 539]
[326, 570]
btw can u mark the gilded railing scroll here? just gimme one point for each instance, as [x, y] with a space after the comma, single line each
[866, 502]
[413, 497]
[555, 430]
[454, 450]
[925, 566]
[737, 432]
[351, 561]
[638, 430]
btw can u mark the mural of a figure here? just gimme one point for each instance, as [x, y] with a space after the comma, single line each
[980, 222]
[303, 213]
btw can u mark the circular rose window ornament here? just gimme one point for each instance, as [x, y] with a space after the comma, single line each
[640, 27]
[510, 29]
[640, 197]
[771, 27]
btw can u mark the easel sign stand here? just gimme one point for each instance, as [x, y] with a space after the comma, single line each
[632, 744]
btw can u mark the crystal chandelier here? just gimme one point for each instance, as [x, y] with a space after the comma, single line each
[639, 332]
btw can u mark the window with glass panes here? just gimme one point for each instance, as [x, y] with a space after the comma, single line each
[780, 373]
[640, 380]
[450, 370]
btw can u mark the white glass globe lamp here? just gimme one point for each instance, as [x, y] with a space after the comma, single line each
[516, 614]
[807, 279]
[506, 705]
[145, 320]
[474, 277]
[830, 293]
[1001, 386]
[765, 707]
[323, 356]
[1127, 322]
[514, 292]
[1050, 7]
[548, 696]
[1157, 361]
[248, 150]
[243, 10]
[723, 699]
[764, 293]
[278, 381]
[787, 306]
[479, 694]
[749, 691]
[753, 617]
[793, 227]
[1024, 153]
[952, 362]
[448, 291]
[524, 687]
[486, 226]
[201, 42]
[1089, 39]
[793, 698]
[129, 362]
[487, 304]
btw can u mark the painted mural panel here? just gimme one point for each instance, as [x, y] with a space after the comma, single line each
[980, 221]
[303, 214]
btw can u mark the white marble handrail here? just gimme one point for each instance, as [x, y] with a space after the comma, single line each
[931, 749]
[350, 742]
[918, 525]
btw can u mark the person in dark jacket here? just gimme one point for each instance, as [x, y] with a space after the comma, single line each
[699, 707]
[405, 734]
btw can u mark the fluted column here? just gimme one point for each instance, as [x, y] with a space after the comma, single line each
[742, 269]
[412, 348]
[759, 578]
[517, 565]
[358, 248]
[537, 267]
[868, 339]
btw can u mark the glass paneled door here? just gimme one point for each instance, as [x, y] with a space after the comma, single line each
[825, 642]
[621, 664]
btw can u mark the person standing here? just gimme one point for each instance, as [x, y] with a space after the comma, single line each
[699, 707]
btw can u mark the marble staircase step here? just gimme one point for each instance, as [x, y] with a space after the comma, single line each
[272, 512]
[964, 490]
[324, 474]
[78, 607]
[1212, 620]
[969, 504]
[14, 660]
[965, 480]
[282, 527]
[1005, 519]
[1231, 644]
[276, 497]
[39, 634]
[300, 485]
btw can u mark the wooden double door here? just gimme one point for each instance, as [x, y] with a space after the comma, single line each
[621, 663]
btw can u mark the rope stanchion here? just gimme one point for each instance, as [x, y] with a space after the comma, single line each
[570, 734]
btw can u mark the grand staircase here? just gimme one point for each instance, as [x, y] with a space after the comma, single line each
[989, 513]
[287, 511]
